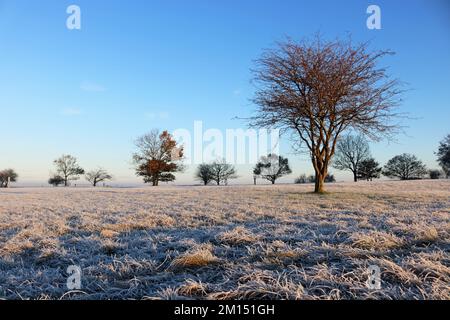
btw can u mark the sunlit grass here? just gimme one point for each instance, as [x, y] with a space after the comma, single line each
[235, 242]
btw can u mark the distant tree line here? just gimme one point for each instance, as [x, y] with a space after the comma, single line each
[312, 178]
[67, 169]
[159, 157]
[353, 154]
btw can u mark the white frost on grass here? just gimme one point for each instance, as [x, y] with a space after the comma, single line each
[235, 242]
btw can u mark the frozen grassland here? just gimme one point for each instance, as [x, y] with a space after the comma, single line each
[235, 242]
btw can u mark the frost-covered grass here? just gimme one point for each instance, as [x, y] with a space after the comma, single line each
[235, 242]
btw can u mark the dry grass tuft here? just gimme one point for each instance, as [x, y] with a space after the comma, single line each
[13, 247]
[192, 288]
[430, 266]
[426, 235]
[106, 233]
[392, 272]
[196, 258]
[237, 236]
[279, 252]
[263, 286]
[376, 240]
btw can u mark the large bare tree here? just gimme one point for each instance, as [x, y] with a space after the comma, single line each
[318, 89]
[350, 152]
[67, 168]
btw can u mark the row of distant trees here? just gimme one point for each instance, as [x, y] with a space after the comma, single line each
[67, 169]
[159, 157]
[303, 178]
[353, 154]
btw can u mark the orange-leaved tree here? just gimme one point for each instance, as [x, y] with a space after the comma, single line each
[158, 157]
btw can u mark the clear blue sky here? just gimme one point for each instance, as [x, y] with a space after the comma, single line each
[138, 65]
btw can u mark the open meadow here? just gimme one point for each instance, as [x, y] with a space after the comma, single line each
[234, 242]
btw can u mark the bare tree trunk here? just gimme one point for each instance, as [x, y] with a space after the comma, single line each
[320, 168]
[273, 181]
[320, 179]
[355, 176]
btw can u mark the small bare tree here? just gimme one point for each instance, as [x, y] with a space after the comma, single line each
[316, 90]
[204, 173]
[98, 175]
[7, 176]
[221, 171]
[67, 167]
[350, 152]
[272, 167]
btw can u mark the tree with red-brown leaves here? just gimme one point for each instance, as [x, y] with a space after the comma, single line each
[158, 157]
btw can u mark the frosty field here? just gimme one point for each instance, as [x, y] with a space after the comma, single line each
[235, 242]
